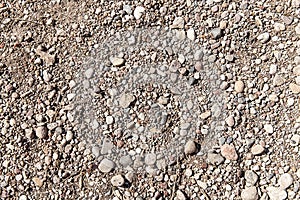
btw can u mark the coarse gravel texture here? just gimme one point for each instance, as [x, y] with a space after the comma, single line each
[251, 47]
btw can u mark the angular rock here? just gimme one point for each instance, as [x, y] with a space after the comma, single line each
[251, 177]
[178, 23]
[126, 100]
[264, 37]
[229, 152]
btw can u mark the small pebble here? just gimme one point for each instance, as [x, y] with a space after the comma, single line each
[106, 165]
[239, 86]
[190, 148]
[257, 149]
[229, 152]
[117, 180]
[285, 181]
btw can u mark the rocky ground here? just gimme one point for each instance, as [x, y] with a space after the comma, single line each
[150, 99]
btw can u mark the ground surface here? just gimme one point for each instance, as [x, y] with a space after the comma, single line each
[150, 99]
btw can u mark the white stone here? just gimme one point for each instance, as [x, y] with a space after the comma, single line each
[41, 132]
[190, 148]
[138, 12]
[264, 37]
[276, 193]
[69, 135]
[268, 128]
[249, 193]
[109, 120]
[178, 23]
[239, 86]
[285, 181]
[295, 140]
[117, 180]
[116, 61]
[191, 34]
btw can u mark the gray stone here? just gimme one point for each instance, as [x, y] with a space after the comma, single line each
[190, 148]
[178, 23]
[41, 132]
[215, 158]
[251, 177]
[106, 165]
[150, 159]
[216, 33]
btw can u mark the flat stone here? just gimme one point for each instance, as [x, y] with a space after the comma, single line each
[285, 181]
[229, 152]
[138, 12]
[190, 148]
[178, 23]
[116, 61]
[249, 193]
[251, 177]
[215, 158]
[106, 165]
[239, 86]
[275, 193]
[117, 180]
[41, 132]
[257, 149]
[294, 88]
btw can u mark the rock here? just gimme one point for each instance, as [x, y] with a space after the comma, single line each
[273, 69]
[278, 80]
[126, 100]
[268, 128]
[180, 195]
[257, 149]
[296, 70]
[285, 181]
[116, 61]
[216, 33]
[69, 135]
[296, 3]
[150, 159]
[41, 132]
[294, 88]
[89, 73]
[138, 12]
[106, 165]
[96, 151]
[297, 29]
[295, 140]
[229, 152]
[178, 23]
[279, 27]
[126, 161]
[276, 193]
[239, 86]
[109, 120]
[205, 115]
[37, 181]
[46, 76]
[191, 34]
[251, 177]
[264, 37]
[249, 193]
[215, 158]
[190, 148]
[117, 180]
[23, 197]
[127, 9]
[230, 121]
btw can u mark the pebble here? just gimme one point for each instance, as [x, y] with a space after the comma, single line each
[239, 86]
[249, 193]
[215, 158]
[190, 148]
[109, 120]
[216, 33]
[297, 29]
[150, 159]
[138, 12]
[278, 80]
[264, 37]
[89, 73]
[41, 132]
[116, 61]
[126, 100]
[229, 152]
[251, 177]
[117, 180]
[180, 195]
[178, 23]
[37, 181]
[106, 165]
[279, 27]
[230, 121]
[273, 69]
[285, 181]
[275, 193]
[294, 88]
[268, 128]
[257, 149]
[69, 135]
[191, 34]
[295, 140]
[23, 197]
[296, 70]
